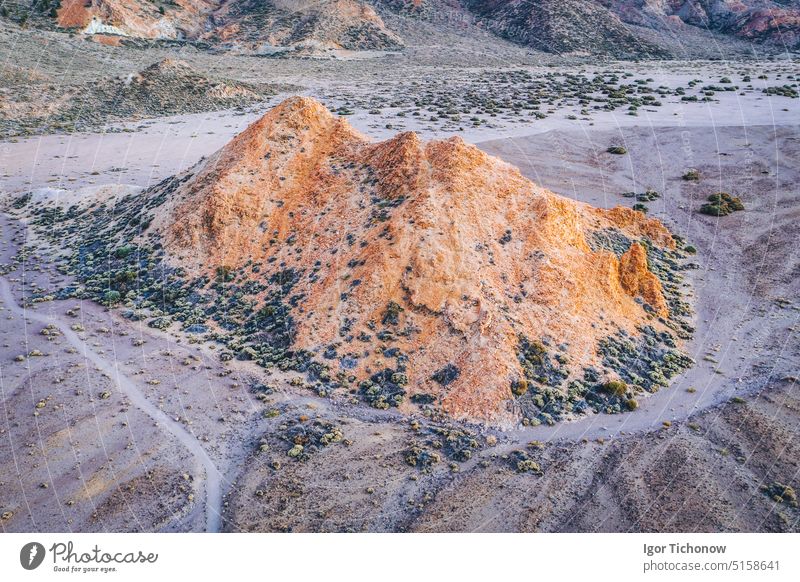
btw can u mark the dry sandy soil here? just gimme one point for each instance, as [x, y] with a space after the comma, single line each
[119, 427]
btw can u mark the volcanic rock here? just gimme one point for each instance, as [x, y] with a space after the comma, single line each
[432, 255]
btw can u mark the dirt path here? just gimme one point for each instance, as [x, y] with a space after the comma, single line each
[213, 476]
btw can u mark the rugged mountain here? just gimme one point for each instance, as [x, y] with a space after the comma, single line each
[326, 24]
[774, 21]
[619, 28]
[614, 26]
[428, 270]
[562, 26]
[337, 24]
[135, 18]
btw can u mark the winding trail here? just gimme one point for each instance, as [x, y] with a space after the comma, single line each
[128, 387]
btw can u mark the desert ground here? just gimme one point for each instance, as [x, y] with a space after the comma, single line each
[111, 425]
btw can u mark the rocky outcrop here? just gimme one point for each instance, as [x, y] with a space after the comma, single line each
[771, 21]
[637, 280]
[430, 263]
[304, 24]
[614, 27]
[250, 24]
[135, 18]
[562, 26]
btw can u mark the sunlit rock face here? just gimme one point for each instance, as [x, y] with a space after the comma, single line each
[432, 263]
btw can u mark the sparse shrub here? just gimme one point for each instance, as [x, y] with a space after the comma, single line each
[722, 204]
[691, 175]
[123, 251]
[381, 392]
[419, 456]
[423, 399]
[111, 298]
[615, 388]
[783, 91]
[781, 493]
[391, 314]
[519, 387]
[160, 323]
[224, 274]
[522, 463]
[446, 375]
[619, 150]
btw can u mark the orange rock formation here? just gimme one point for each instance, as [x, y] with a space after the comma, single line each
[136, 18]
[473, 254]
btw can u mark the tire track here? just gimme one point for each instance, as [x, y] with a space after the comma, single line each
[129, 388]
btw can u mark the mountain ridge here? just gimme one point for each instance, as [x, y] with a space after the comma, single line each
[611, 28]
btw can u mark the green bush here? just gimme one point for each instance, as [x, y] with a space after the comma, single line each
[111, 298]
[615, 388]
[781, 493]
[722, 204]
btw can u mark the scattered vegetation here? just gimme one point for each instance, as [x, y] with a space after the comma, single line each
[722, 204]
[781, 493]
[523, 463]
[305, 436]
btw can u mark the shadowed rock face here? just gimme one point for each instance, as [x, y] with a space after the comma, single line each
[561, 26]
[601, 26]
[311, 24]
[446, 258]
[775, 21]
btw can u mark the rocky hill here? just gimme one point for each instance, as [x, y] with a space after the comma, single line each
[135, 18]
[562, 26]
[250, 24]
[616, 27]
[304, 24]
[167, 87]
[772, 21]
[170, 87]
[409, 273]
